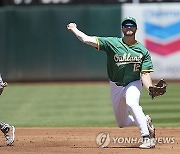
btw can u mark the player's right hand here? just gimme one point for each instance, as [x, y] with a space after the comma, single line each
[71, 26]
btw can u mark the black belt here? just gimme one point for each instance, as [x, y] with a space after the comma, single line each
[122, 84]
[119, 84]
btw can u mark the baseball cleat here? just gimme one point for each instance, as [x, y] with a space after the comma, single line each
[10, 135]
[147, 144]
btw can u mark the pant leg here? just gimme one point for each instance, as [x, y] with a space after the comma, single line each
[132, 94]
[119, 106]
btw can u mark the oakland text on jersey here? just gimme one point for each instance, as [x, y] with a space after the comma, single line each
[127, 59]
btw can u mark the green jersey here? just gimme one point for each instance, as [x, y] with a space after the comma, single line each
[124, 63]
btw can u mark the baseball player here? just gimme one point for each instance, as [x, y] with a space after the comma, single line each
[129, 65]
[8, 130]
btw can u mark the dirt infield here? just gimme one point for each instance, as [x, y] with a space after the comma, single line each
[83, 140]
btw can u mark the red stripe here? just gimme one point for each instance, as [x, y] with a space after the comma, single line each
[163, 49]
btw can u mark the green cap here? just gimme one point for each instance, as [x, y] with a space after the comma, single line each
[129, 19]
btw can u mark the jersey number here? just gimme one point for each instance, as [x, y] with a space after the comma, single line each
[136, 67]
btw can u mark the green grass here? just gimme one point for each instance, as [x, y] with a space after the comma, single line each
[165, 110]
[78, 105]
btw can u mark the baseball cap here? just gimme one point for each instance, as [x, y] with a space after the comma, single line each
[128, 19]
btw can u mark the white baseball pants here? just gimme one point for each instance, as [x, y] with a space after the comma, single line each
[125, 100]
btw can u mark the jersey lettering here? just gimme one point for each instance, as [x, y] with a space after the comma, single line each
[136, 67]
[127, 59]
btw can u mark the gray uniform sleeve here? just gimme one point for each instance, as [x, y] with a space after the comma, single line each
[1, 82]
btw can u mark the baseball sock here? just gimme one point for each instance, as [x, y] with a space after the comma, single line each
[146, 137]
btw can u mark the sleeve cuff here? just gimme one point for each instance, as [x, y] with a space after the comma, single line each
[98, 47]
[151, 70]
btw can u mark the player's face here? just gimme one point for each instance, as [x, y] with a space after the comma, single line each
[129, 29]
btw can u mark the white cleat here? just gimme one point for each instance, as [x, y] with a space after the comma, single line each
[147, 144]
[10, 135]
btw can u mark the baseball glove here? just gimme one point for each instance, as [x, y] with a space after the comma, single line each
[158, 89]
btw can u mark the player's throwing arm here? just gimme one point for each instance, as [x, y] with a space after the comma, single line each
[90, 40]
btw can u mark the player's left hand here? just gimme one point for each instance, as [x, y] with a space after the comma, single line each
[158, 89]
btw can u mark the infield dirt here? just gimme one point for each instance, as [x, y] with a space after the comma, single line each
[83, 141]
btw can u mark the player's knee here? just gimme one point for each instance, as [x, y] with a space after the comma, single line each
[133, 106]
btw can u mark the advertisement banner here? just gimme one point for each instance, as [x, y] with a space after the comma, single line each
[159, 31]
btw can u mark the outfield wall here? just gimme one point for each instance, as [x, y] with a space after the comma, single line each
[35, 44]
